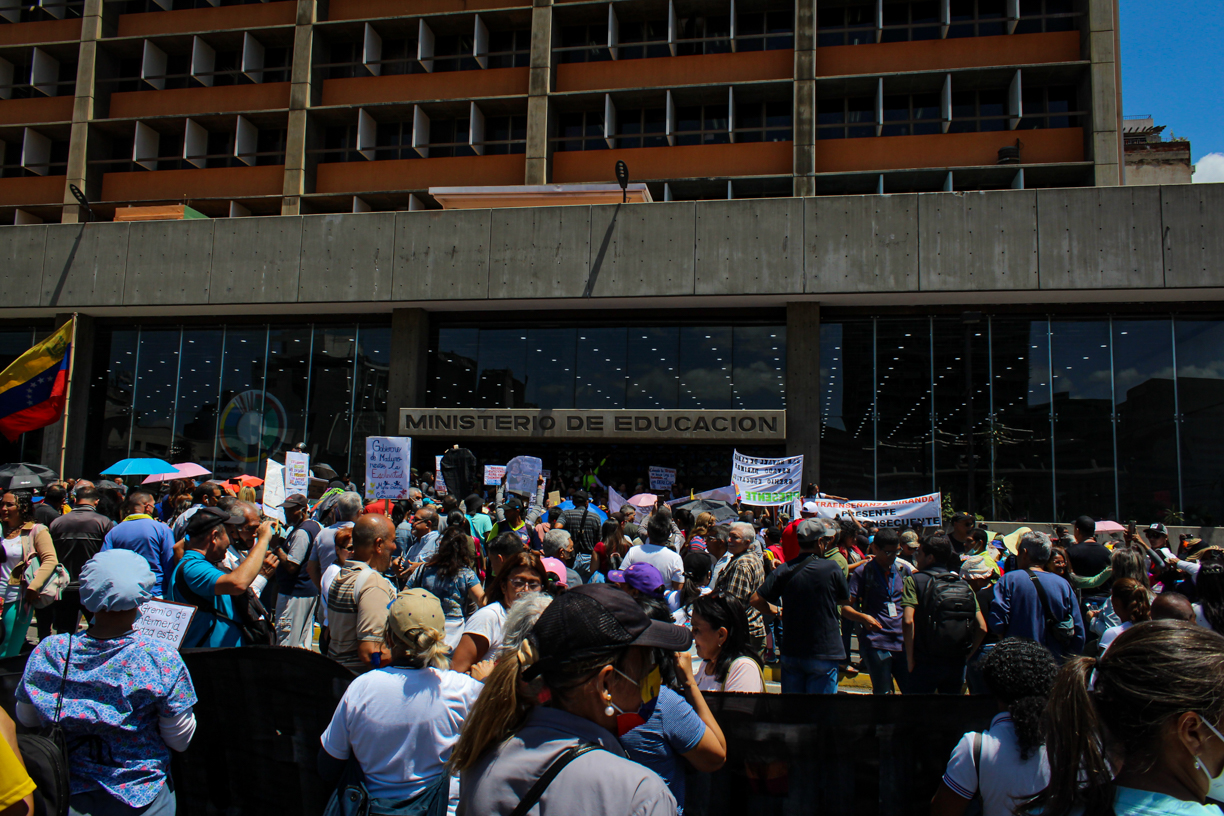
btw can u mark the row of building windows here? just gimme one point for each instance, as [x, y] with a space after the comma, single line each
[693, 125]
[864, 23]
[645, 39]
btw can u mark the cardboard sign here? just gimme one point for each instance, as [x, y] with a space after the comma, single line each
[297, 472]
[494, 474]
[662, 478]
[388, 463]
[554, 498]
[522, 473]
[164, 621]
[274, 491]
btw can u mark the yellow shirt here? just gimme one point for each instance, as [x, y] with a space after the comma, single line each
[15, 783]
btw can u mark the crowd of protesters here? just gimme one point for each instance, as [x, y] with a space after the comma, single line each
[498, 641]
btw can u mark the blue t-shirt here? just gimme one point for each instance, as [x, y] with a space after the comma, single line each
[150, 539]
[206, 628]
[451, 590]
[875, 590]
[673, 728]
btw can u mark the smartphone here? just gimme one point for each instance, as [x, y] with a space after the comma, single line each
[1130, 528]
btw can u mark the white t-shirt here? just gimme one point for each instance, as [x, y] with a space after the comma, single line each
[1002, 776]
[490, 623]
[401, 725]
[743, 675]
[12, 557]
[1200, 618]
[718, 567]
[325, 582]
[666, 560]
[1111, 633]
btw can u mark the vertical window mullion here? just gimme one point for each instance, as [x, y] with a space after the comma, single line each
[990, 407]
[1177, 418]
[1050, 386]
[1113, 422]
[353, 397]
[178, 384]
[135, 391]
[263, 390]
[309, 375]
[220, 386]
[875, 408]
[931, 397]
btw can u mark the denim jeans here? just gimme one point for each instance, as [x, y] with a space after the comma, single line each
[883, 666]
[808, 675]
[936, 676]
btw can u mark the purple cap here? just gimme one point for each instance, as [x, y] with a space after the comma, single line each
[642, 577]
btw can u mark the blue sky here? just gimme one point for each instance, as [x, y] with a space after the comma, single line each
[1172, 68]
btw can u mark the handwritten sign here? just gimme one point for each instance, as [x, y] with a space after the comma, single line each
[494, 474]
[274, 491]
[297, 472]
[662, 478]
[388, 462]
[165, 621]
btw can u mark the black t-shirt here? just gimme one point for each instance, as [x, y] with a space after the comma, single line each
[812, 591]
[1089, 558]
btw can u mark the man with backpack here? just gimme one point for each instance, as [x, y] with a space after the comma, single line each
[297, 596]
[942, 623]
[1030, 602]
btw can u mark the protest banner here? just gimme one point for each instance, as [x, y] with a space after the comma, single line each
[522, 473]
[662, 478]
[924, 510]
[297, 472]
[767, 482]
[274, 491]
[388, 463]
[615, 501]
[493, 474]
[439, 482]
[164, 621]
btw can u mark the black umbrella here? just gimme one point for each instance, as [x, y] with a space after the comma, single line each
[721, 510]
[23, 475]
[324, 471]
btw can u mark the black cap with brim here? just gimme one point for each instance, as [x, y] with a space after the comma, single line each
[594, 620]
[208, 518]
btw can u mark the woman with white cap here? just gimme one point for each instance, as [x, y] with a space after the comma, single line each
[123, 699]
[396, 725]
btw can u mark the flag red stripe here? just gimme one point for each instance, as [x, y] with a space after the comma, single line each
[38, 416]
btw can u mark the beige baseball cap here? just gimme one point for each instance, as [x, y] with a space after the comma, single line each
[416, 609]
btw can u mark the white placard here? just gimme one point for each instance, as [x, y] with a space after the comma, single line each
[767, 482]
[522, 474]
[164, 621]
[615, 501]
[662, 478]
[388, 463]
[297, 473]
[274, 491]
[439, 482]
[899, 513]
[493, 474]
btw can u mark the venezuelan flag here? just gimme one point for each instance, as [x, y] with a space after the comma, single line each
[34, 388]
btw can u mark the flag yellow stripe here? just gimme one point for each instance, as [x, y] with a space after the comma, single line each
[38, 359]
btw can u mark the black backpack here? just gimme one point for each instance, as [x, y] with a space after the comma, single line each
[947, 617]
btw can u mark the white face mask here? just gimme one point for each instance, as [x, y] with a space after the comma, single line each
[1215, 791]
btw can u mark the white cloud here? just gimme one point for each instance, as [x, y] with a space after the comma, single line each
[1209, 168]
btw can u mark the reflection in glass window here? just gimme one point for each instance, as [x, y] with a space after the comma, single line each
[1145, 404]
[1200, 401]
[156, 388]
[1083, 419]
[1020, 393]
[195, 415]
[705, 368]
[370, 399]
[903, 400]
[503, 358]
[289, 380]
[759, 373]
[454, 368]
[244, 415]
[847, 430]
[116, 383]
[962, 410]
[331, 395]
[550, 368]
[599, 366]
[652, 359]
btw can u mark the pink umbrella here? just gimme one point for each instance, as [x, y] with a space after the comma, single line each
[1109, 527]
[187, 470]
[644, 500]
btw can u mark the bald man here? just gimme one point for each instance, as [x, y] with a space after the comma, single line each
[359, 596]
[1172, 606]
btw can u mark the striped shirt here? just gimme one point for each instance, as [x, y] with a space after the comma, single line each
[357, 604]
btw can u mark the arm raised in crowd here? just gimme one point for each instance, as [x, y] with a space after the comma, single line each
[237, 581]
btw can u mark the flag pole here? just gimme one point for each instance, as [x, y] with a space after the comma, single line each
[68, 396]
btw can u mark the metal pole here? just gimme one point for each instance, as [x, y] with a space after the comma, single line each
[68, 396]
[969, 485]
[1177, 417]
[1113, 422]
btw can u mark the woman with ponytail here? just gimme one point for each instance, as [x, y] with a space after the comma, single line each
[575, 683]
[1140, 730]
[397, 724]
[1006, 763]
[1131, 603]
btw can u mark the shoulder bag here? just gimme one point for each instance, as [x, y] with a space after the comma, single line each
[46, 757]
[50, 591]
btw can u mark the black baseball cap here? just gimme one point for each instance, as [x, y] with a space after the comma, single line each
[582, 494]
[596, 619]
[206, 518]
[513, 502]
[295, 500]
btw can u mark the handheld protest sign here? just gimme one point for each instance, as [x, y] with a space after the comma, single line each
[388, 464]
[494, 474]
[522, 474]
[166, 622]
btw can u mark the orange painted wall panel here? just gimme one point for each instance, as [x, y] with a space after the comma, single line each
[32, 190]
[209, 182]
[193, 101]
[36, 109]
[688, 161]
[219, 18]
[43, 31]
[669, 72]
[365, 9]
[939, 55]
[414, 87]
[418, 174]
[948, 150]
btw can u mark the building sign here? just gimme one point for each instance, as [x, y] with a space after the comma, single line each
[655, 426]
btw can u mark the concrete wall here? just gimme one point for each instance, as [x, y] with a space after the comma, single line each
[1086, 245]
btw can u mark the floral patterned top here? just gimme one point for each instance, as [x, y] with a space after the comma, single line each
[115, 693]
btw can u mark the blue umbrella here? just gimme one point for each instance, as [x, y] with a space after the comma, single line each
[138, 467]
[568, 504]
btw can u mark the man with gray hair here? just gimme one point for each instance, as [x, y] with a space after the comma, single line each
[741, 577]
[1030, 602]
[344, 513]
[559, 544]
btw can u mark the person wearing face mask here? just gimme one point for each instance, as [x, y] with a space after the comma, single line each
[542, 734]
[482, 633]
[1140, 730]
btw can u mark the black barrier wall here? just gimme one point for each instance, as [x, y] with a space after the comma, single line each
[262, 710]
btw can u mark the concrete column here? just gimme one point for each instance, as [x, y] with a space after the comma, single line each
[804, 105]
[409, 362]
[77, 413]
[83, 112]
[803, 386]
[1106, 81]
[299, 103]
[538, 88]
